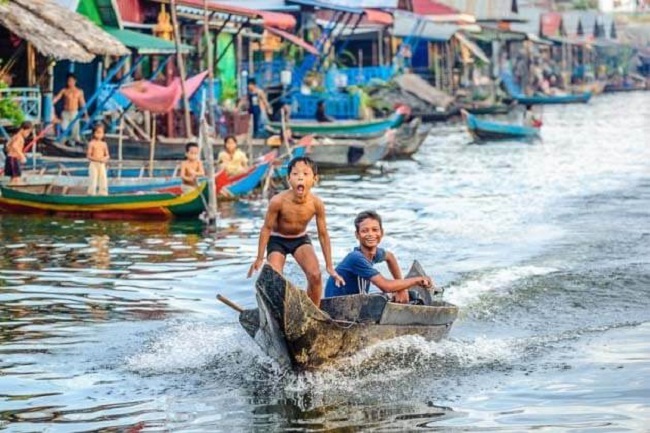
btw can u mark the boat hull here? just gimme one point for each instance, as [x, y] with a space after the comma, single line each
[300, 336]
[38, 199]
[483, 130]
[553, 100]
[408, 140]
[349, 155]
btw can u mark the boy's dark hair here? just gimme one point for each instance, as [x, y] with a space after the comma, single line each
[305, 159]
[26, 125]
[252, 81]
[367, 214]
[230, 137]
[70, 75]
[190, 145]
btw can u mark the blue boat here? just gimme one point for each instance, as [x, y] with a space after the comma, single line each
[343, 128]
[515, 93]
[244, 184]
[483, 130]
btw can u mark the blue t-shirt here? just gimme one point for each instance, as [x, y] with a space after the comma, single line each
[356, 270]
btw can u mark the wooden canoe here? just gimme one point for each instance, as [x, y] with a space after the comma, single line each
[125, 185]
[299, 336]
[408, 139]
[484, 130]
[343, 127]
[349, 155]
[57, 200]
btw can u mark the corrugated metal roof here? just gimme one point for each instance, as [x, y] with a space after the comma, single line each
[144, 43]
[407, 24]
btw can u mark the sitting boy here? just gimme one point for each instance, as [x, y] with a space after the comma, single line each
[285, 229]
[192, 168]
[357, 269]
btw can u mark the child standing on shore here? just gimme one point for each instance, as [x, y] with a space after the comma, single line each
[98, 156]
[285, 229]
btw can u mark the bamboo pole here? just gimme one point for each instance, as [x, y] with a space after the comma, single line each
[181, 69]
[209, 153]
[152, 145]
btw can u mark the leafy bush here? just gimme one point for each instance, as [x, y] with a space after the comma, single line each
[10, 110]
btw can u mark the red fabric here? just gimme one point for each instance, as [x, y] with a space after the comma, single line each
[271, 19]
[429, 7]
[161, 99]
[294, 39]
[131, 10]
[378, 17]
[551, 24]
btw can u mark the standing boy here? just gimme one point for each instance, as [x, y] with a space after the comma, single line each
[14, 155]
[73, 100]
[98, 157]
[357, 268]
[285, 229]
[257, 106]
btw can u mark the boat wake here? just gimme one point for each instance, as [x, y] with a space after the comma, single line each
[493, 283]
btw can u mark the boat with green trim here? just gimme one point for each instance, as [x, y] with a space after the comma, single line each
[54, 199]
[345, 128]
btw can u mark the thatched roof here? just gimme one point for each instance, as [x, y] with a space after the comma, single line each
[58, 32]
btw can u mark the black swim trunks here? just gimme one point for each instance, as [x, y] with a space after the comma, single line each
[286, 246]
[12, 167]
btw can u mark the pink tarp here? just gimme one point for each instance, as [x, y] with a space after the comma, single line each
[161, 99]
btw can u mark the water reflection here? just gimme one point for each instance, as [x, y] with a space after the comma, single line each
[112, 326]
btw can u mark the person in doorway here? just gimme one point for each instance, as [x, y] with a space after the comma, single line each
[232, 159]
[285, 229]
[192, 168]
[321, 116]
[258, 106]
[14, 153]
[73, 101]
[98, 156]
[357, 268]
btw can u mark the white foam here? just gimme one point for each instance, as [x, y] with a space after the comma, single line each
[392, 360]
[496, 283]
[189, 346]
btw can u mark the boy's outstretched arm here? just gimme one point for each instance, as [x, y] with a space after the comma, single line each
[393, 266]
[269, 221]
[324, 239]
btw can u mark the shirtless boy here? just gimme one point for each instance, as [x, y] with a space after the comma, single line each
[98, 156]
[285, 229]
[14, 153]
[73, 100]
[192, 167]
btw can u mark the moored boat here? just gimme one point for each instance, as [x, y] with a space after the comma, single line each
[79, 184]
[484, 130]
[540, 99]
[408, 139]
[61, 200]
[344, 127]
[244, 183]
[348, 155]
[299, 336]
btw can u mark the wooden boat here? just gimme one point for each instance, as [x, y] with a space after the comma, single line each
[487, 130]
[408, 139]
[438, 115]
[115, 185]
[630, 87]
[488, 109]
[62, 200]
[343, 128]
[348, 155]
[244, 183]
[516, 94]
[299, 336]
[594, 87]
[132, 148]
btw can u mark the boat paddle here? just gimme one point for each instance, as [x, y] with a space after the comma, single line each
[230, 303]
